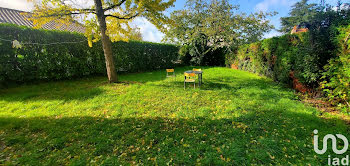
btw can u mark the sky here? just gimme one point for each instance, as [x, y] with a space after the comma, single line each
[150, 32]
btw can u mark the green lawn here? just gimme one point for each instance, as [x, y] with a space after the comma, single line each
[235, 118]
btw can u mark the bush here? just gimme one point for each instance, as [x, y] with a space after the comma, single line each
[215, 57]
[184, 53]
[337, 76]
[278, 57]
[199, 53]
[303, 60]
[71, 60]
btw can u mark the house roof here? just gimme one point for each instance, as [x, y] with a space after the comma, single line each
[15, 17]
[297, 29]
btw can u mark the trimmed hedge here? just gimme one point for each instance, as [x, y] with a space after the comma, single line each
[136, 56]
[71, 60]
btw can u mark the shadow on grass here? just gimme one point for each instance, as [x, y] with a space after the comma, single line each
[154, 76]
[238, 83]
[261, 137]
[66, 95]
[80, 89]
[232, 85]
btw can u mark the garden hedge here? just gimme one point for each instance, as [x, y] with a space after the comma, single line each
[301, 61]
[279, 57]
[282, 58]
[336, 78]
[70, 60]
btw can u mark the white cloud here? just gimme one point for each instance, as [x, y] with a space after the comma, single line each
[23, 5]
[148, 30]
[344, 6]
[81, 4]
[265, 5]
[271, 34]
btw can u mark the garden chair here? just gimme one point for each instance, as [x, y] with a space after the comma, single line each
[194, 69]
[170, 71]
[190, 77]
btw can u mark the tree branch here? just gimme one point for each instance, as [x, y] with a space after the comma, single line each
[196, 49]
[88, 10]
[114, 6]
[205, 52]
[123, 18]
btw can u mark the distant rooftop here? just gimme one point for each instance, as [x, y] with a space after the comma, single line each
[15, 17]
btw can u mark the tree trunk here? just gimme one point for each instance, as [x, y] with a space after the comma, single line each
[106, 43]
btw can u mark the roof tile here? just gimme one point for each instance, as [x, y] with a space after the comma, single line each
[15, 17]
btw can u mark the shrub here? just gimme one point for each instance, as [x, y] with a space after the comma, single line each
[302, 60]
[71, 60]
[278, 57]
[190, 56]
[184, 54]
[215, 58]
[337, 75]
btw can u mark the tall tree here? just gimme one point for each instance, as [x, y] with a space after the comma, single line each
[105, 19]
[205, 26]
[302, 12]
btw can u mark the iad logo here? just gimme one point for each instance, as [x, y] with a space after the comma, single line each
[334, 143]
[334, 161]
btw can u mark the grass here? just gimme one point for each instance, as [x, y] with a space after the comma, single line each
[235, 118]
